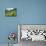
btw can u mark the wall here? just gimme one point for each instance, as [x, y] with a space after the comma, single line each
[28, 12]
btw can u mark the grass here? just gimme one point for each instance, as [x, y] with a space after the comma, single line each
[10, 13]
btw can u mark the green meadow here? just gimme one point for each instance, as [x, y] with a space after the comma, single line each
[10, 12]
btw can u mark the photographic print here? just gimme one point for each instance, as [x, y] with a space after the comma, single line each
[10, 12]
